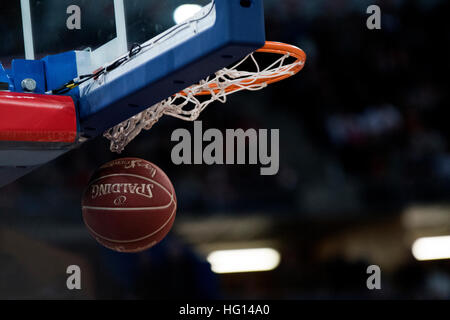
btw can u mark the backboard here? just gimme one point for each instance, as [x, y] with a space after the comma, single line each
[112, 59]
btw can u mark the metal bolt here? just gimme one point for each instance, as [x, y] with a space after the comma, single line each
[29, 85]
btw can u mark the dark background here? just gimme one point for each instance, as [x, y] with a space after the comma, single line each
[364, 171]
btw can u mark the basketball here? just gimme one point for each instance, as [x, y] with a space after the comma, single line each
[129, 205]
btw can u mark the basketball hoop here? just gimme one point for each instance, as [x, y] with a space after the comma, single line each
[189, 103]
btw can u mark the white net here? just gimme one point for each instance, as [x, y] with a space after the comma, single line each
[189, 103]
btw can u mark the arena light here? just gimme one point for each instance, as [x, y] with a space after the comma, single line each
[185, 11]
[431, 248]
[244, 260]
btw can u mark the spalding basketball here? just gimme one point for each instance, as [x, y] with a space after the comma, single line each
[129, 205]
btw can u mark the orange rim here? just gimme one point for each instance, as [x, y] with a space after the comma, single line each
[270, 47]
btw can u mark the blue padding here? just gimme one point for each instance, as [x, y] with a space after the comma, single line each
[4, 78]
[33, 69]
[60, 69]
[237, 32]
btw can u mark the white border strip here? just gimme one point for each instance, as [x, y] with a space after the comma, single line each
[27, 29]
[117, 46]
[121, 26]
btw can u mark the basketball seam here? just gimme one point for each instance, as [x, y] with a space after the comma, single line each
[129, 209]
[134, 240]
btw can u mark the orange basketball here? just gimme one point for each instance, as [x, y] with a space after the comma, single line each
[129, 205]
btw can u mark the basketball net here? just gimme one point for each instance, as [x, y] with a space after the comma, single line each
[189, 103]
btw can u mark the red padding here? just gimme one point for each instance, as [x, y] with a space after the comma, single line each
[37, 118]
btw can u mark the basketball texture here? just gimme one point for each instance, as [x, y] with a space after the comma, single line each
[129, 205]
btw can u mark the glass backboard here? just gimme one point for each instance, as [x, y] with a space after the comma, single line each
[33, 29]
